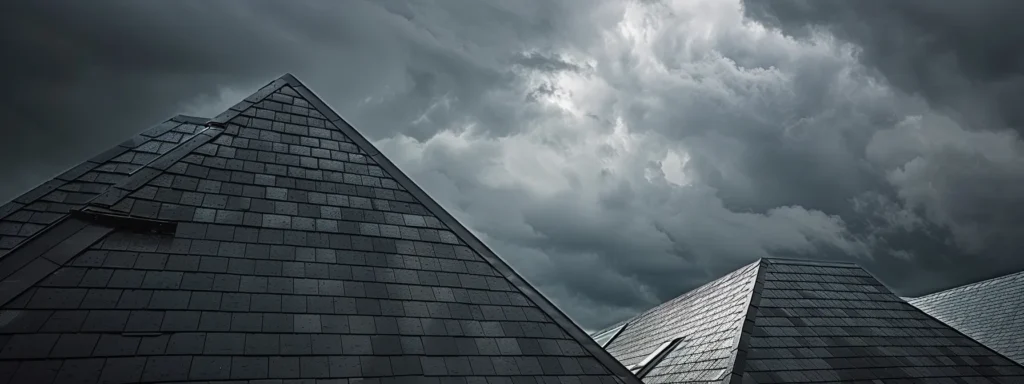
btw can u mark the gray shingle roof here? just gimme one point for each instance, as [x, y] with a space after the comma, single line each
[990, 311]
[46, 204]
[272, 242]
[782, 321]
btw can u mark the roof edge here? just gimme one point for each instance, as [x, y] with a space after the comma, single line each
[964, 286]
[190, 119]
[570, 327]
[235, 110]
[810, 262]
[954, 329]
[738, 359]
[73, 172]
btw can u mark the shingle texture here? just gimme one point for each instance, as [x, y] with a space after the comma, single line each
[296, 255]
[708, 318]
[29, 213]
[990, 311]
[785, 321]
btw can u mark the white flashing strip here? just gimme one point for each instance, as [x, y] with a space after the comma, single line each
[642, 368]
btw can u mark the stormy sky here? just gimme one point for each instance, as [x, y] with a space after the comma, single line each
[617, 153]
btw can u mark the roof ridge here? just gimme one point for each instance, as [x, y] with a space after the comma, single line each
[811, 262]
[997, 279]
[737, 361]
[538, 299]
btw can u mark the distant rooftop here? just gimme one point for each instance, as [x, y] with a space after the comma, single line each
[990, 311]
[783, 321]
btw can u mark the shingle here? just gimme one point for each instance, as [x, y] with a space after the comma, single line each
[153, 345]
[227, 283]
[262, 344]
[307, 323]
[210, 368]
[224, 344]
[246, 322]
[253, 284]
[134, 299]
[105, 321]
[80, 371]
[277, 322]
[296, 344]
[214, 321]
[116, 345]
[282, 367]
[376, 366]
[315, 367]
[180, 321]
[166, 368]
[186, 343]
[144, 321]
[345, 366]
[123, 370]
[161, 280]
[170, 300]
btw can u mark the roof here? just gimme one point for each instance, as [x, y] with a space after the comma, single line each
[989, 311]
[50, 202]
[270, 242]
[782, 321]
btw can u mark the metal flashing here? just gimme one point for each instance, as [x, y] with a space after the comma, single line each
[143, 175]
[36, 258]
[120, 220]
[647, 364]
[615, 332]
[190, 119]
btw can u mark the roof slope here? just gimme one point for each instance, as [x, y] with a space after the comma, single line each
[36, 209]
[990, 311]
[277, 243]
[708, 318]
[804, 321]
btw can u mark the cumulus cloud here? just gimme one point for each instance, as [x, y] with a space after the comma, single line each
[617, 153]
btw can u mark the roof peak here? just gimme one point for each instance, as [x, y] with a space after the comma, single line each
[809, 262]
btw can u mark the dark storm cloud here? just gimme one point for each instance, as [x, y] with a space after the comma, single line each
[556, 130]
[964, 55]
[88, 74]
[965, 177]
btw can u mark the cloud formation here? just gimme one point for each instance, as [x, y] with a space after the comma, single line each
[616, 153]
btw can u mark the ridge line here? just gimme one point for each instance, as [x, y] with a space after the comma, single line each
[738, 358]
[557, 316]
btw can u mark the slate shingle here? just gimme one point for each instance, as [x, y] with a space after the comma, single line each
[792, 321]
[294, 255]
[987, 311]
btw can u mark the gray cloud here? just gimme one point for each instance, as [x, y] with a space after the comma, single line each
[959, 55]
[617, 153]
[958, 167]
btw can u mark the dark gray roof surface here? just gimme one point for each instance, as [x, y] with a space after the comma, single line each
[708, 318]
[990, 311]
[783, 321]
[276, 243]
[29, 213]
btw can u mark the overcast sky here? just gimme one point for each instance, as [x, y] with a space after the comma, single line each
[617, 153]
